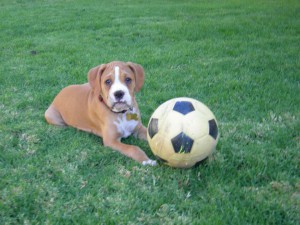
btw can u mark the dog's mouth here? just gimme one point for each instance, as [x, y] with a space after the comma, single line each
[120, 107]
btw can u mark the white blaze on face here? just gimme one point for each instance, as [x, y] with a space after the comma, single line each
[119, 86]
[117, 71]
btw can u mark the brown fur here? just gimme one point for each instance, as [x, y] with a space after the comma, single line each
[87, 107]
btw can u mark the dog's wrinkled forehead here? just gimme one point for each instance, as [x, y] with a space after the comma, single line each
[111, 67]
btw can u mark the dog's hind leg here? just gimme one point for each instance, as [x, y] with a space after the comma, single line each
[53, 116]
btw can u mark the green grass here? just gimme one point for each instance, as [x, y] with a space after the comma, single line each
[241, 58]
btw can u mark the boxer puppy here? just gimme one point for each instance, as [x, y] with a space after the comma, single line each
[105, 106]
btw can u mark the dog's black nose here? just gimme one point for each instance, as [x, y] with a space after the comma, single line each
[119, 95]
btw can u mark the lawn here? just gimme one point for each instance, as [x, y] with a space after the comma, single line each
[241, 58]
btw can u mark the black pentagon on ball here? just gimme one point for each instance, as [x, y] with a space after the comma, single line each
[182, 143]
[213, 128]
[153, 127]
[183, 107]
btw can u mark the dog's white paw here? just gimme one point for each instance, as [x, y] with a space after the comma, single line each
[149, 162]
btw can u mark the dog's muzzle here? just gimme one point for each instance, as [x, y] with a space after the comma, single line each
[120, 107]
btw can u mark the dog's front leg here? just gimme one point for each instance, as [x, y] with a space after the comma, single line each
[131, 151]
[141, 133]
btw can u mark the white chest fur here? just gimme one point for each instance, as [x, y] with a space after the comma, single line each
[126, 123]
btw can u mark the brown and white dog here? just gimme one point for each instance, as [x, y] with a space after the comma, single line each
[105, 106]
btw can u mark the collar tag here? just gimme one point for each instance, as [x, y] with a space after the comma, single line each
[131, 116]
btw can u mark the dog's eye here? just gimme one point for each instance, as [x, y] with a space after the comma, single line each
[108, 82]
[128, 80]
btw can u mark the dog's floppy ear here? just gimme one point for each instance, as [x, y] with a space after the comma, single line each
[139, 75]
[94, 75]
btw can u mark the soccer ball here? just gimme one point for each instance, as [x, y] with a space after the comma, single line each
[182, 132]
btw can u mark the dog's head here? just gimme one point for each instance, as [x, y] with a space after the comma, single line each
[116, 83]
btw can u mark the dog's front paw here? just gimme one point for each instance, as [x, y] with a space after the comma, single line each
[149, 162]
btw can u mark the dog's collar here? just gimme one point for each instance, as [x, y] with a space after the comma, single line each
[102, 100]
